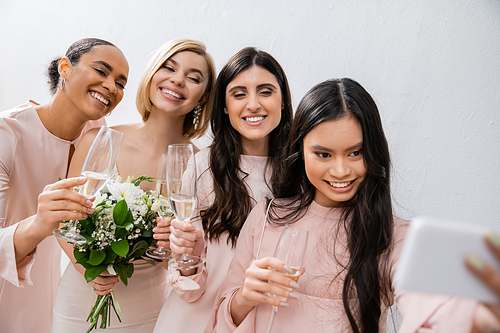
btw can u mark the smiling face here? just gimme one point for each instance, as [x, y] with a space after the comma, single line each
[254, 103]
[95, 84]
[334, 160]
[179, 83]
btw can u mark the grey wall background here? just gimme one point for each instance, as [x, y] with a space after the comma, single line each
[433, 68]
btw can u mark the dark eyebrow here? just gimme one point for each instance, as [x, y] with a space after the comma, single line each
[105, 64]
[191, 69]
[318, 147]
[237, 87]
[258, 87]
[110, 68]
[266, 85]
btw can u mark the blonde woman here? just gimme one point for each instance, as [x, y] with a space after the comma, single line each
[172, 99]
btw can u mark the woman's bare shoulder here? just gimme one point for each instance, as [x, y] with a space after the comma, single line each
[127, 128]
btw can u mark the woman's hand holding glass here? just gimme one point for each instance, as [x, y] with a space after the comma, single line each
[162, 232]
[263, 280]
[185, 238]
[56, 203]
[98, 165]
[59, 202]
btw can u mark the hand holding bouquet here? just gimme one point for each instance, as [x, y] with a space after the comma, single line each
[117, 233]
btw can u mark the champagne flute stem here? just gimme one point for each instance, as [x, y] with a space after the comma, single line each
[271, 321]
[161, 250]
[185, 258]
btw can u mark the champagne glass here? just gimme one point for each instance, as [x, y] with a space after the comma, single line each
[291, 249]
[162, 196]
[97, 168]
[181, 186]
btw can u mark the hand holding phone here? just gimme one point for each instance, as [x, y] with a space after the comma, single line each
[432, 259]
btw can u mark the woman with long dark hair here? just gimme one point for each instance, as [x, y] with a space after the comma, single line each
[37, 144]
[250, 120]
[335, 183]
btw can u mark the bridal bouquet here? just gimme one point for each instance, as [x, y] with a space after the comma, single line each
[118, 232]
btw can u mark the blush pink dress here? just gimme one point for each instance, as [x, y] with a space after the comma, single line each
[188, 309]
[320, 306]
[17, 275]
[30, 158]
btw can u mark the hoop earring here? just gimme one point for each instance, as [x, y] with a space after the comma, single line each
[108, 114]
[63, 83]
[196, 116]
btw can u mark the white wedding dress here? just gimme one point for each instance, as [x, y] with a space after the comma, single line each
[141, 301]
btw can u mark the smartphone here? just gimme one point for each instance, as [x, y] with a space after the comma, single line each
[432, 259]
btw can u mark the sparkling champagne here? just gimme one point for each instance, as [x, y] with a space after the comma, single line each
[95, 182]
[162, 197]
[183, 206]
[295, 275]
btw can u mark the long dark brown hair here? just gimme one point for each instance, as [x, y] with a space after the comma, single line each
[232, 202]
[366, 218]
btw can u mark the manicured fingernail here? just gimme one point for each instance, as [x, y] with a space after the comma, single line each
[84, 216]
[288, 269]
[475, 262]
[81, 179]
[494, 238]
[294, 285]
[90, 210]
[284, 304]
[155, 229]
[294, 295]
[89, 203]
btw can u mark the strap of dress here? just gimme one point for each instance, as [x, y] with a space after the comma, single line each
[263, 228]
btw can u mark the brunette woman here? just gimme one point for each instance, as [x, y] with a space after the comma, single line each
[250, 121]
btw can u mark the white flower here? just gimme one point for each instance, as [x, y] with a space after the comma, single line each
[143, 209]
[155, 206]
[127, 191]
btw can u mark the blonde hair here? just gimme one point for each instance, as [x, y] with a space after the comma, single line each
[164, 52]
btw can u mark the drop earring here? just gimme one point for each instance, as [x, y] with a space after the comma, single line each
[196, 116]
[63, 83]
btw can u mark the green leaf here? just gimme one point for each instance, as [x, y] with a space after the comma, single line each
[121, 233]
[87, 237]
[120, 212]
[147, 233]
[88, 226]
[129, 219]
[149, 261]
[130, 269]
[93, 272]
[138, 249]
[110, 256]
[121, 247]
[125, 225]
[96, 257]
[81, 257]
[122, 272]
